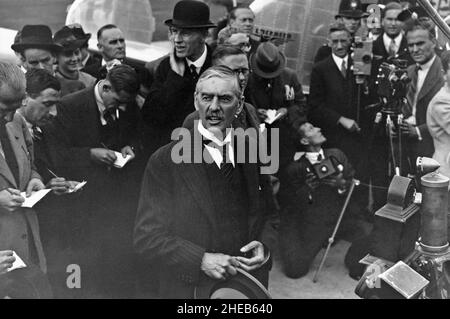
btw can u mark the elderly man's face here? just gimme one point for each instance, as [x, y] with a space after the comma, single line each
[38, 59]
[10, 101]
[244, 20]
[217, 103]
[239, 64]
[188, 43]
[420, 45]
[41, 109]
[339, 42]
[112, 44]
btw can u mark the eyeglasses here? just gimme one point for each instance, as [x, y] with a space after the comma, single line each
[243, 71]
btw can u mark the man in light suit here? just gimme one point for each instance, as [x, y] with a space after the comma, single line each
[426, 80]
[19, 229]
[200, 222]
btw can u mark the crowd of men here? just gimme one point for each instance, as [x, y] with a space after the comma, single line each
[161, 227]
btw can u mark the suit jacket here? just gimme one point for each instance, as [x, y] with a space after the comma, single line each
[79, 120]
[21, 227]
[170, 100]
[433, 83]
[176, 222]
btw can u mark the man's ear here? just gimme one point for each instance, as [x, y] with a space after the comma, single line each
[195, 100]
[240, 105]
[100, 46]
[304, 141]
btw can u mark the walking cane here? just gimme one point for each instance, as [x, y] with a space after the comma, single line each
[331, 239]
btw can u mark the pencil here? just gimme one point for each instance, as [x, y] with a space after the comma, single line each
[54, 175]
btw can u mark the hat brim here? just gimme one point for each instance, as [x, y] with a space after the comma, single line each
[179, 24]
[264, 74]
[19, 47]
[242, 286]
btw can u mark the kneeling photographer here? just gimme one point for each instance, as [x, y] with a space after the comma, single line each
[313, 189]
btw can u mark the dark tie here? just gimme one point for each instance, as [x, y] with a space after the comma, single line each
[109, 115]
[412, 92]
[319, 158]
[226, 168]
[194, 72]
[37, 133]
[8, 151]
[344, 69]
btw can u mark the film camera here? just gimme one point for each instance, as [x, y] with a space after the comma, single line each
[327, 167]
[392, 80]
[362, 56]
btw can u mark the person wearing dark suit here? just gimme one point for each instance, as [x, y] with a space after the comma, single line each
[59, 222]
[183, 223]
[333, 98]
[171, 96]
[19, 228]
[426, 80]
[350, 14]
[311, 205]
[96, 122]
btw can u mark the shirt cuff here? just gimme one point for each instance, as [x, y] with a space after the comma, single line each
[419, 136]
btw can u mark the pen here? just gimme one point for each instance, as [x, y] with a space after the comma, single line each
[104, 146]
[54, 175]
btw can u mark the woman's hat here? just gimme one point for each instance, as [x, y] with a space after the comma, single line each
[67, 39]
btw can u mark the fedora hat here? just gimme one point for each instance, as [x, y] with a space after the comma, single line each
[66, 38]
[267, 62]
[190, 14]
[37, 37]
[350, 9]
[241, 286]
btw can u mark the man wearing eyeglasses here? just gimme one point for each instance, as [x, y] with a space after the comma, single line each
[171, 96]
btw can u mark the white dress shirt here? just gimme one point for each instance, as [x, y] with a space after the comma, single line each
[339, 60]
[397, 40]
[215, 149]
[199, 62]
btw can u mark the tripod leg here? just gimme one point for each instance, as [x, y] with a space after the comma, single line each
[331, 239]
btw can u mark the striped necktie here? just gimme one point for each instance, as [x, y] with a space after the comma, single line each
[344, 69]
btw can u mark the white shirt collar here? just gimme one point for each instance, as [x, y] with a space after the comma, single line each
[215, 149]
[85, 60]
[387, 41]
[200, 61]
[427, 66]
[338, 60]
[313, 157]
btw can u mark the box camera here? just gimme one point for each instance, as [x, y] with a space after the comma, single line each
[324, 169]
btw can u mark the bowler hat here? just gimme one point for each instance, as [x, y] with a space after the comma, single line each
[66, 38]
[267, 62]
[190, 14]
[350, 9]
[37, 37]
[241, 286]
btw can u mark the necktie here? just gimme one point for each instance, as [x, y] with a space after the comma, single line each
[344, 69]
[109, 115]
[226, 168]
[194, 72]
[319, 158]
[392, 49]
[8, 151]
[37, 133]
[412, 94]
